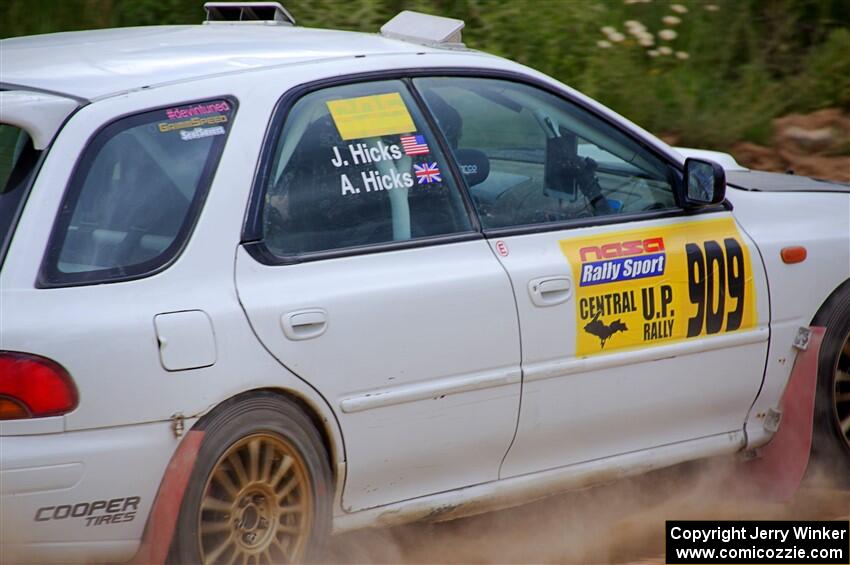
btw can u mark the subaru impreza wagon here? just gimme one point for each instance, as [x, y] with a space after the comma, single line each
[262, 283]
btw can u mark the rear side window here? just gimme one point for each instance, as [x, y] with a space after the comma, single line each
[356, 165]
[18, 161]
[136, 194]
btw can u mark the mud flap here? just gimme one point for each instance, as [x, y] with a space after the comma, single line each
[778, 469]
[162, 519]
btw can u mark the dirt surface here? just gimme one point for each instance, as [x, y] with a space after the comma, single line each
[618, 523]
[816, 144]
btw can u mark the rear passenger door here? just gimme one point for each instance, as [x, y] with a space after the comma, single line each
[366, 276]
[642, 325]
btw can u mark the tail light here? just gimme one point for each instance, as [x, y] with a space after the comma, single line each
[34, 387]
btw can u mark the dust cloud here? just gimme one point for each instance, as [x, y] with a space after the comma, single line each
[622, 522]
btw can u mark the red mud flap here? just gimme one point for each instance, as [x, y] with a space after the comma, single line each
[779, 468]
[162, 520]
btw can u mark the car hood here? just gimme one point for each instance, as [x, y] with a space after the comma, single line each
[778, 182]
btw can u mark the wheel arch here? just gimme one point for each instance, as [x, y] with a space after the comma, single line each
[328, 430]
[156, 541]
[831, 453]
[820, 317]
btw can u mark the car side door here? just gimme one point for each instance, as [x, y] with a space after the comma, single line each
[366, 276]
[642, 324]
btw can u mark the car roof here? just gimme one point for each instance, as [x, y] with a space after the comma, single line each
[100, 63]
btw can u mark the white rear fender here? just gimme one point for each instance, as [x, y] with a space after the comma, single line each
[774, 220]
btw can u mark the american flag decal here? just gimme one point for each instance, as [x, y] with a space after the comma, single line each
[414, 144]
[426, 173]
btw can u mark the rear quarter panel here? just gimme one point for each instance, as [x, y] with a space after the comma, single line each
[104, 335]
[821, 223]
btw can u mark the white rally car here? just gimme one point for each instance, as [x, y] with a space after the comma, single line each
[261, 283]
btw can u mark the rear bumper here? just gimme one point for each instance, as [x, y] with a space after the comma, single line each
[82, 496]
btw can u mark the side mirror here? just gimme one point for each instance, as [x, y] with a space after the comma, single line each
[705, 183]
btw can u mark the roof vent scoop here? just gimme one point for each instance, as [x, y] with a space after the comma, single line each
[421, 28]
[264, 13]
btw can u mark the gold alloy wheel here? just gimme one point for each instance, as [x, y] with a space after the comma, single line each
[841, 392]
[257, 505]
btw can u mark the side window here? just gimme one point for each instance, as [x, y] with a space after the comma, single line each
[136, 193]
[356, 165]
[530, 157]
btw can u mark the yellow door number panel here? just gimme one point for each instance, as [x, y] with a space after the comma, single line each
[644, 287]
[371, 116]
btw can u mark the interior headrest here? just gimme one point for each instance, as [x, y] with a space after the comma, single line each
[474, 164]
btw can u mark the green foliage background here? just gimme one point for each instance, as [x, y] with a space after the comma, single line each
[748, 61]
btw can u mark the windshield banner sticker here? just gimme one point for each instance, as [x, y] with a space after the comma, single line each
[197, 110]
[371, 116]
[644, 287]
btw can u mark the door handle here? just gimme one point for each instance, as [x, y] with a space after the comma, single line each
[304, 324]
[549, 291]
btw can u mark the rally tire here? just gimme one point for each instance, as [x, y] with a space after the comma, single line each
[260, 487]
[831, 443]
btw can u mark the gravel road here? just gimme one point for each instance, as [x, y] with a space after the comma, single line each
[618, 523]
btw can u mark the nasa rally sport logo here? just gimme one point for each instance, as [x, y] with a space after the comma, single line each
[618, 261]
[622, 261]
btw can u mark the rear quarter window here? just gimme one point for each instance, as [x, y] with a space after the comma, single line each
[136, 193]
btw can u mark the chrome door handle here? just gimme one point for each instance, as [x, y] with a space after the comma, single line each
[549, 291]
[304, 324]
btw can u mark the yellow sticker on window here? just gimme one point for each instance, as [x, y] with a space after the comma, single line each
[371, 116]
[644, 287]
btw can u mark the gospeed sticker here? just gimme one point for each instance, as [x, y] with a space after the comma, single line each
[191, 123]
[648, 286]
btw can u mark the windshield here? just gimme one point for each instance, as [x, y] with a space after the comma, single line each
[18, 161]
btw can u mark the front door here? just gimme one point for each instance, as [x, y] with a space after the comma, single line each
[641, 325]
[369, 281]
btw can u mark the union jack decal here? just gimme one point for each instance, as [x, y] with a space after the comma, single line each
[426, 173]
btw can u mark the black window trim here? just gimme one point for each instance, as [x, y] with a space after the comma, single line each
[252, 238]
[48, 278]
